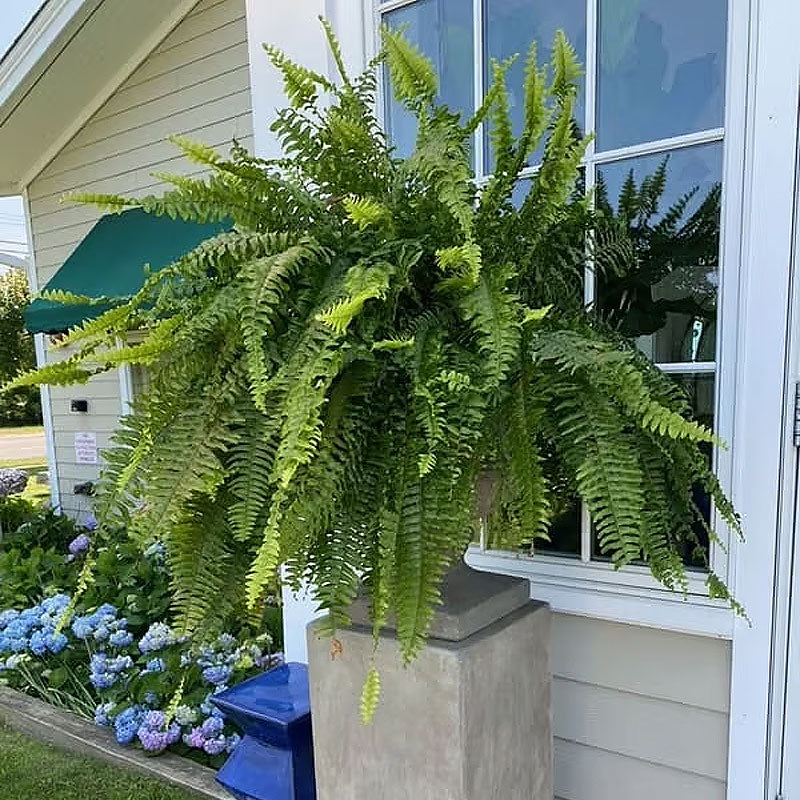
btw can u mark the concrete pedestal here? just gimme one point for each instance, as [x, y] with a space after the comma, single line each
[470, 719]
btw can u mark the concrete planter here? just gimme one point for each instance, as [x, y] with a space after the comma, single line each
[69, 732]
[470, 719]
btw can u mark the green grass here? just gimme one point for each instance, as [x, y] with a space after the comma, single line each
[23, 463]
[30, 770]
[24, 430]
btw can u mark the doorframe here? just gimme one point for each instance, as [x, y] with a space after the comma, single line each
[762, 447]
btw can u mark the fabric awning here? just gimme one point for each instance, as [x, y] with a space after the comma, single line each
[110, 262]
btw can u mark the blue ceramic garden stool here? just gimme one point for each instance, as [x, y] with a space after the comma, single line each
[274, 760]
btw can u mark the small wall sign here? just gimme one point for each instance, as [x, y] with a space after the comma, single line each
[85, 448]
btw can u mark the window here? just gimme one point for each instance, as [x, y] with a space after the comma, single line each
[654, 97]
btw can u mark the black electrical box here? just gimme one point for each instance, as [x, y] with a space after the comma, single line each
[81, 406]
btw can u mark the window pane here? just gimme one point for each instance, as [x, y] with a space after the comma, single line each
[661, 69]
[443, 31]
[511, 25]
[662, 287]
[565, 534]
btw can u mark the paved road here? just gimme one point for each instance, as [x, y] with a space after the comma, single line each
[22, 446]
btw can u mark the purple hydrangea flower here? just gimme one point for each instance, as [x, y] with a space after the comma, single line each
[79, 545]
[215, 746]
[212, 727]
[194, 738]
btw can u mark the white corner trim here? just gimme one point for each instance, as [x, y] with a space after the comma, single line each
[42, 32]
[41, 359]
[116, 80]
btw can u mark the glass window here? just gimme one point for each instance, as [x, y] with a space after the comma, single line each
[666, 295]
[511, 25]
[661, 69]
[443, 31]
[656, 72]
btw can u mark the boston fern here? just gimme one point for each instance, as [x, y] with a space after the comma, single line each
[376, 342]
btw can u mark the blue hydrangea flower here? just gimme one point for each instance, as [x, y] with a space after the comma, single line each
[151, 698]
[102, 714]
[56, 642]
[7, 616]
[126, 724]
[233, 740]
[158, 637]
[120, 638]
[155, 665]
[217, 675]
[90, 523]
[37, 644]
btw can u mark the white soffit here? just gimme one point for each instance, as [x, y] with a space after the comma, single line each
[69, 59]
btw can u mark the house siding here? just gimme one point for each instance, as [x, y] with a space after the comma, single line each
[195, 83]
[638, 712]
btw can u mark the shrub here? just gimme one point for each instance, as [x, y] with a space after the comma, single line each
[22, 406]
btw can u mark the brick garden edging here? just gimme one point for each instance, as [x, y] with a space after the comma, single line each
[68, 731]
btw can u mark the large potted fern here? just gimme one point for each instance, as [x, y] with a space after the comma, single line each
[330, 378]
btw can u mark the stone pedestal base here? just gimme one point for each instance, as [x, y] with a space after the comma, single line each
[468, 720]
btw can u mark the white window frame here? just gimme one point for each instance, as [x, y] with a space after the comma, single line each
[594, 588]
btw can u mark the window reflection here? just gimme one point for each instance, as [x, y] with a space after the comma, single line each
[511, 25]
[661, 70]
[443, 31]
[659, 282]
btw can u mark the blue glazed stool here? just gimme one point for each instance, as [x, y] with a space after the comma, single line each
[274, 760]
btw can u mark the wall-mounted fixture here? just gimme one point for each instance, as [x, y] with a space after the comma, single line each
[81, 406]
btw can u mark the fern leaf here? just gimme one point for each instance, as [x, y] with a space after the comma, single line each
[413, 76]
[370, 696]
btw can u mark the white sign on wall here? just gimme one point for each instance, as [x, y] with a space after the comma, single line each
[85, 448]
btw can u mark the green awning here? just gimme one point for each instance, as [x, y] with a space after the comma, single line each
[111, 261]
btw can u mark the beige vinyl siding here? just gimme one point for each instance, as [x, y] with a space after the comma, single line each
[638, 712]
[195, 83]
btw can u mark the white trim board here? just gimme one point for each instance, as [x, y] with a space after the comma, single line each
[41, 359]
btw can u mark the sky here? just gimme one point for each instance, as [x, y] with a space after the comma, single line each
[14, 15]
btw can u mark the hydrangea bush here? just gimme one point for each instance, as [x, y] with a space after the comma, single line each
[12, 481]
[113, 657]
[133, 680]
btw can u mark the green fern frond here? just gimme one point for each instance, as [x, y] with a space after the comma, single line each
[567, 70]
[370, 696]
[197, 152]
[61, 373]
[413, 76]
[300, 83]
[198, 559]
[365, 212]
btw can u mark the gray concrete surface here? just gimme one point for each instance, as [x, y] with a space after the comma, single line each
[69, 732]
[468, 720]
[22, 446]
